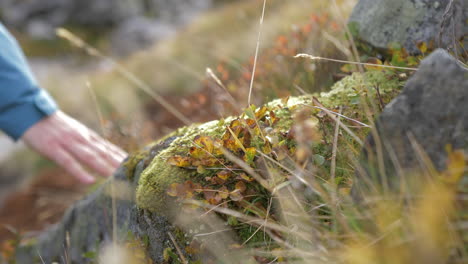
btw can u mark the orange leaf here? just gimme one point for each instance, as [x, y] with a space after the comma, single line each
[179, 161]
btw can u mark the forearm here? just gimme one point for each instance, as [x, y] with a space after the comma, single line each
[22, 102]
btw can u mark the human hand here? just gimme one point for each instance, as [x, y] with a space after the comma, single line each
[73, 146]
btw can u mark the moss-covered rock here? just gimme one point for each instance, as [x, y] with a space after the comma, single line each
[349, 93]
[194, 162]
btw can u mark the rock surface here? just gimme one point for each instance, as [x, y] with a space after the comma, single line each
[89, 223]
[430, 114]
[408, 22]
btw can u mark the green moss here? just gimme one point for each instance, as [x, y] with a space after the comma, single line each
[132, 161]
[156, 178]
[159, 175]
[350, 90]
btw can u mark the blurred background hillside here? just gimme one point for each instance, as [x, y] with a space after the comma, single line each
[168, 45]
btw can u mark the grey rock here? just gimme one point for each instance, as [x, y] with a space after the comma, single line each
[408, 22]
[430, 114]
[177, 11]
[138, 33]
[89, 223]
[38, 29]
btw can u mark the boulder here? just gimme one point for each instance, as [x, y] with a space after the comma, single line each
[429, 115]
[409, 22]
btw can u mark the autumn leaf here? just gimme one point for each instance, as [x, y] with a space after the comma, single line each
[179, 161]
[201, 169]
[198, 153]
[260, 113]
[172, 191]
[244, 176]
[223, 192]
[240, 186]
[375, 61]
[249, 155]
[205, 143]
[266, 149]
[250, 123]
[456, 165]
[224, 175]
[422, 47]
[273, 118]
[236, 195]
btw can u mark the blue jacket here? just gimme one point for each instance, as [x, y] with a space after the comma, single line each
[22, 101]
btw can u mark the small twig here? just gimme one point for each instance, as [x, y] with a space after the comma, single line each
[334, 151]
[181, 256]
[381, 103]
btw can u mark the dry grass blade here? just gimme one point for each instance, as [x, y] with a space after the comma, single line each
[345, 128]
[337, 44]
[352, 43]
[334, 151]
[338, 114]
[256, 53]
[311, 57]
[255, 221]
[296, 175]
[76, 41]
[212, 75]
[262, 225]
[231, 157]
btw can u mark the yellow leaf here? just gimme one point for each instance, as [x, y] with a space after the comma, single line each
[223, 192]
[422, 47]
[225, 174]
[172, 191]
[249, 155]
[376, 62]
[456, 165]
[179, 161]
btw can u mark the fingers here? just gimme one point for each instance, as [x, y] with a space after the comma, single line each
[91, 157]
[74, 146]
[71, 165]
[109, 151]
[101, 147]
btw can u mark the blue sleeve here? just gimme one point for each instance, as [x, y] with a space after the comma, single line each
[22, 101]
